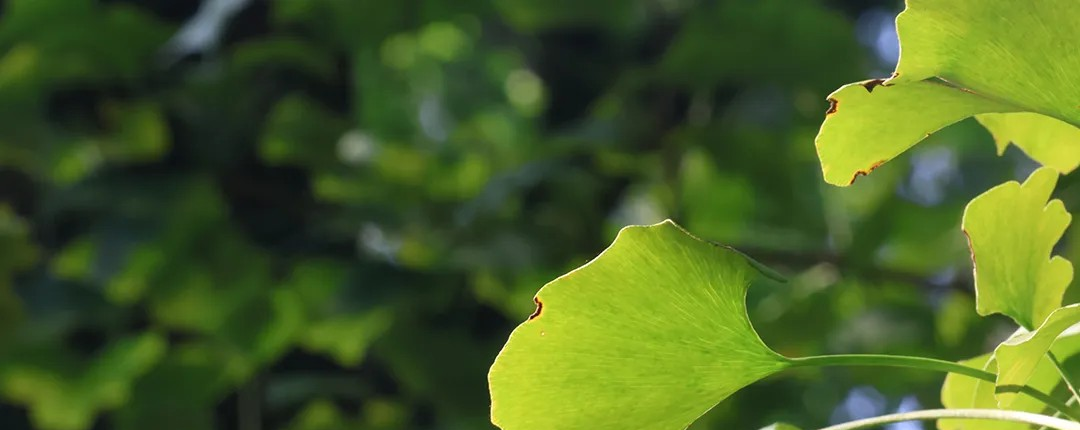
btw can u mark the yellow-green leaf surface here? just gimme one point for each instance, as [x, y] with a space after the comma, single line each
[1019, 356]
[1019, 51]
[1049, 141]
[868, 123]
[1012, 231]
[962, 392]
[649, 335]
[1003, 57]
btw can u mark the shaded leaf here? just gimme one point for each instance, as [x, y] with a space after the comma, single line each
[346, 338]
[1012, 231]
[608, 339]
[58, 400]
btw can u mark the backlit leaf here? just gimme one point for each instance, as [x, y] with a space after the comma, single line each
[1012, 231]
[987, 46]
[649, 335]
[963, 58]
[869, 123]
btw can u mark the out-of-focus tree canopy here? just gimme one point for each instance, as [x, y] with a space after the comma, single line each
[328, 214]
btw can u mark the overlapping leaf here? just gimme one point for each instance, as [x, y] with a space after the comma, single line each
[1041, 137]
[998, 57]
[868, 124]
[1019, 356]
[962, 392]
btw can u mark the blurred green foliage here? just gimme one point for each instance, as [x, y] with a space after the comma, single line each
[328, 214]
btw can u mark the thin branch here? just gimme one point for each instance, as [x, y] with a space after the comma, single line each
[932, 364]
[799, 259]
[1065, 377]
[978, 414]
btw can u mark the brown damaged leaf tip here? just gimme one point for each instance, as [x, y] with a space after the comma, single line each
[832, 107]
[871, 84]
[866, 171]
[539, 307]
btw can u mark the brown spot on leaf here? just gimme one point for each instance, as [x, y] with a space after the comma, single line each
[871, 84]
[971, 249]
[866, 171]
[539, 307]
[832, 107]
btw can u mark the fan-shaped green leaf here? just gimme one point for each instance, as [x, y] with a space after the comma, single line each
[1004, 50]
[649, 335]
[1012, 231]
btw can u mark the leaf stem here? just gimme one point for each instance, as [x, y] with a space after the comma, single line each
[1065, 377]
[980, 414]
[930, 364]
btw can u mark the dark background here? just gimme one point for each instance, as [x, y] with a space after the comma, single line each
[328, 214]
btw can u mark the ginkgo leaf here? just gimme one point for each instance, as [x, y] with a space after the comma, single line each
[962, 392]
[982, 58]
[868, 123]
[1003, 50]
[1049, 141]
[649, 335]
[1012, 231]
[1018, 357]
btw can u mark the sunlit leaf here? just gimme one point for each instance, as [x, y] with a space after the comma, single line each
[868, 123]
[972, 52]
[987, 46]
[607, 340]
[1012, 231]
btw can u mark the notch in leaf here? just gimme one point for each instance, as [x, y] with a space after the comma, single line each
[1012, 231]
